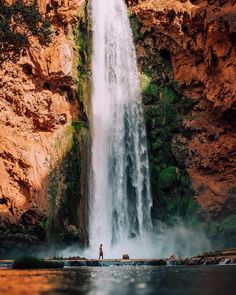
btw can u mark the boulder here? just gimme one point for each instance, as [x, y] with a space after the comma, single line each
[125, 256]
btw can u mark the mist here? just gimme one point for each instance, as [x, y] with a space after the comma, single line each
[164, 241]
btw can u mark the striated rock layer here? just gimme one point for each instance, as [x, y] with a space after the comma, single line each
[199, 36]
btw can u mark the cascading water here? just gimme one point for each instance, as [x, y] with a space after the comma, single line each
[120, 199]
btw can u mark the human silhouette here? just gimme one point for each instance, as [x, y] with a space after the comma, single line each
[100, 252]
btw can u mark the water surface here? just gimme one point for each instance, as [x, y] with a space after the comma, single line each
[204, 280]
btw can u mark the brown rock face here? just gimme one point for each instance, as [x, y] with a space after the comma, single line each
[38, 103]
[200, 38]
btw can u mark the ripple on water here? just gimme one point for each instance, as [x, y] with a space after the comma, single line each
[203, 280]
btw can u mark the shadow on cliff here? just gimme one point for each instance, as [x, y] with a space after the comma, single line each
[67, 193]
[65, 220]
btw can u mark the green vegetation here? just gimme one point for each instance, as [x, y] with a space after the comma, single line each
[135, 26]
[83, 40]
[67, 189]
[223, 233]
[171, 185]
[167, 177]
[64, 190]
[67, 193]
[165, 109]
[18, 21]
[35, 263]
[148, 88]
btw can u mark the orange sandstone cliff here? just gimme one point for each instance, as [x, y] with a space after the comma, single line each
[200, 37]
[38, 103]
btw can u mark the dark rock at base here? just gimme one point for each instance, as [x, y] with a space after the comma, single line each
[125, 256]
[225, 256]
[222, 257]
[115, 262]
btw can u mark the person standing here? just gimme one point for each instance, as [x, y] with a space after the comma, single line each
[100, 252]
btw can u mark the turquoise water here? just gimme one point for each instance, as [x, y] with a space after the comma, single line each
[199, 280]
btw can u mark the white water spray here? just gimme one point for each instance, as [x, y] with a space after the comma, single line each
[120, 199]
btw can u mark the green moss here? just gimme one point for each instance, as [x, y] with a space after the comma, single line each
[175, 196]
[147, 87]
[169, 96]
[145, 81]
[135, 26]
[167, 177]
[66, 200]
[157, 144]
[83, 39]
[67, 184]
[77, 126]
[151, 90]
[165, 109]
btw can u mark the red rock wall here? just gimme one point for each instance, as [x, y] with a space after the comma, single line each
[200, 37]
[38, 103]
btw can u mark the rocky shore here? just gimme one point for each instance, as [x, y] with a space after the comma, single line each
[219, 257]
[225, 256]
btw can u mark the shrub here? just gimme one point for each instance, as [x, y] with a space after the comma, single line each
[151, 90]
[18, 21]
[167, 177]
[145, 81]
[135, 26]
[35, 263]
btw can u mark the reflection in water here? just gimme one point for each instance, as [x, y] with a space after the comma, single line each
[19, 282]
[204, 280]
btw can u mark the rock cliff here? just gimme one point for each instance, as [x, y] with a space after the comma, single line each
[198, 37]
[38, 130]
[186, 54]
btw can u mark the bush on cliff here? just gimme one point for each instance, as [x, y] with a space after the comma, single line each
[18, 21]
[167, 177]
[147, 87]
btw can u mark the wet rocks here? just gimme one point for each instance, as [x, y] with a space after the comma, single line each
[226, 256]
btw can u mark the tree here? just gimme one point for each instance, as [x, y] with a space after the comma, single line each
[18, 21]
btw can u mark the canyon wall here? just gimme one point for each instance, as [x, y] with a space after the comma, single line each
[186, 55]
[199, 36]
[193, 46]
[42, 136]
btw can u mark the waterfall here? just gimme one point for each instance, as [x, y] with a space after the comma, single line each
[120, 199]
